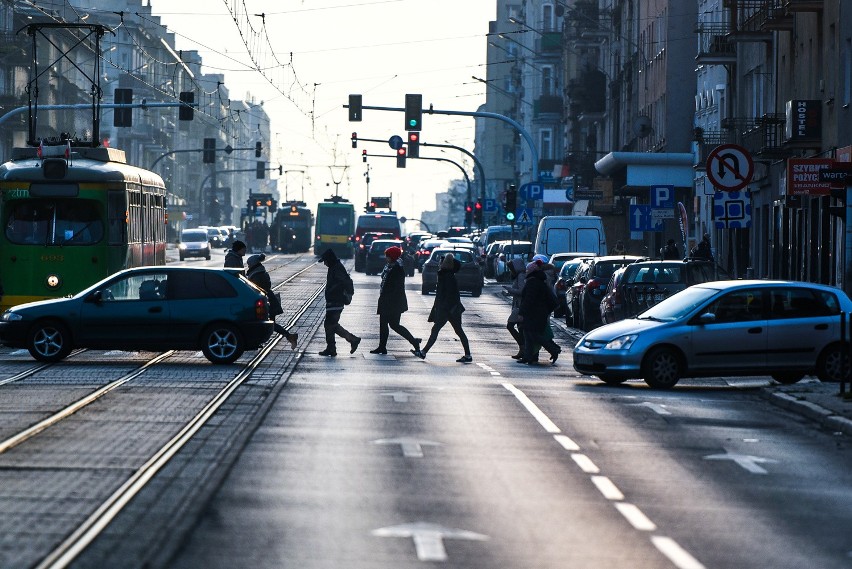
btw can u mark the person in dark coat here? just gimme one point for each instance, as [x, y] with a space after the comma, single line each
[234, 256]
[447, 308]
[703, 250]
[537, 302]
[514, 325]
[258, 275]
[670, 251]
[338, 286]
[392, 302]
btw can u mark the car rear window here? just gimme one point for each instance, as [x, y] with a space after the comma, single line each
[200, 284]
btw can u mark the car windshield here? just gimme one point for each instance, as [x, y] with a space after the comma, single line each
[193, 236]
[679, 305]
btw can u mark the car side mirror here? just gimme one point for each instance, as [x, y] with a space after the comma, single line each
[707, 318]
[96, 297]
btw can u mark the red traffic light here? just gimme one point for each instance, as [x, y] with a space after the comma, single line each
[468, 208]
[478, 205]
[354, 140]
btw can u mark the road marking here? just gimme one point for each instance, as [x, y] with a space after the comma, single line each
[746, 461]
[655, 407]
[411, 448]
[585, 463]
[399, 396]
[676, 554]
[607, 488]
[566, 442]
[489, 369]
[429, 538]
[635, 516]
[537, 413]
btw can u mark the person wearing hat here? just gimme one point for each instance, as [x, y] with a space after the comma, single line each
[670, 251]
[537, 302]
[258, 275]
[703, 250]
[339, 289]
[447, 308]
[392, 302]
[234, 256]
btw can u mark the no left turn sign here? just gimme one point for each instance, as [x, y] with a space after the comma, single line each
[730, 167]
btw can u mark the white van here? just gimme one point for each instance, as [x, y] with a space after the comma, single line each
[565, 233]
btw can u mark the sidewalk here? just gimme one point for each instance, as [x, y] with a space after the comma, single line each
[816, 400]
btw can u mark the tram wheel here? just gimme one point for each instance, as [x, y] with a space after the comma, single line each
[49, 342]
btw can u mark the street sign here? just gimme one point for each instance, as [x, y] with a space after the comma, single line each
[530, 191]
[490, 205]
[395, 142]
[642, 220]
[835, 176]
[662, 197]
[524, 216]
[730, 167]
[732, 210]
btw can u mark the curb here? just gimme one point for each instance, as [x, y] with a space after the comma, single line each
[821, 415]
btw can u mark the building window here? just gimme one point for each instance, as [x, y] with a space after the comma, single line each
[847, 71]
[547, 23]
[545, 144]
[547, 86]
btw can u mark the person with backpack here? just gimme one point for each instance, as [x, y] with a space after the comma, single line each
[258, 275]
[339, 290]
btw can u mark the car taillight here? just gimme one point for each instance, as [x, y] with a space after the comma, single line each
[260, 309]
[596, 286]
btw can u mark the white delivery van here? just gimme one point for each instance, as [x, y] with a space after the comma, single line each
[566, 233]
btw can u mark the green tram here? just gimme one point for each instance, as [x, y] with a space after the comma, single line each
[72, 216]
[335, 224]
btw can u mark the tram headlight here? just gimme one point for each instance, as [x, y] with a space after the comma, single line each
[53, 281]
[10, 316]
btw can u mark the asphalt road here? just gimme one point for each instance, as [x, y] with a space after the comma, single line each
[370, 461]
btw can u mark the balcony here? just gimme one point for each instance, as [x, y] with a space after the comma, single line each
[714, 47]
[761, 136]
[547, 105]
[804, 5]
[749, 19]
[549, 43]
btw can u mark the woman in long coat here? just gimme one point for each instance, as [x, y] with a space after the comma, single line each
[447, 308]
[537, 302]
[392, 302]
[258, 275]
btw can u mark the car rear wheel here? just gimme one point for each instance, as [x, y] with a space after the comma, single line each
[833, 364]
[610, 380]
[222, 344]
[662, 368]
[49, 342]
[787, 378]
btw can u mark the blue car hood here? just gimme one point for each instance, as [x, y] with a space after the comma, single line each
[622, 327]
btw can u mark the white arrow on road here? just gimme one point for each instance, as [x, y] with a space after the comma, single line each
[747, 461]
[429, 538]
[411, 448]
[399, 396]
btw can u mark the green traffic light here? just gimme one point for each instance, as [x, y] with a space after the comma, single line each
[412, 122]
[510, 216]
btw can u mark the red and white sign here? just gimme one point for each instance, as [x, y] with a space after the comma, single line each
[803, 176]
[730, 167]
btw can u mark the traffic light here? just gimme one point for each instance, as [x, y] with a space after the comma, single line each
[186, 111]
[413, 112]
[400, 158]
[258, 149]
[511, 203]
[209, 155]
[354, 140]
[414, 144]
[261, 170]
[371, 206]
[294, 210]
[477, 212]
[355, 108]
[123, 117]
[364, 155]
[273, 206]
[250, 205]
[468, 214]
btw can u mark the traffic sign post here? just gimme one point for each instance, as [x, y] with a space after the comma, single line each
[641, 219]
[730, 167]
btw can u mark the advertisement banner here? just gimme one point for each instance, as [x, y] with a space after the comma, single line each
[803, 176]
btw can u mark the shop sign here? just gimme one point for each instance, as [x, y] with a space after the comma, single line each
[803, 176]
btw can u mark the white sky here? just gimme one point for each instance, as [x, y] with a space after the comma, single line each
[381, 49]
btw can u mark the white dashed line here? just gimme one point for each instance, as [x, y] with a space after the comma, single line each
[635, 516]
[537, 413]
[607, 488]
[566, 442]
[676, 554]
[585, 463]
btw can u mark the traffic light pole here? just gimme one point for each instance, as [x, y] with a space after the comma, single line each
[143, 105]
[213, 174]
[227, 150]
[516, 125]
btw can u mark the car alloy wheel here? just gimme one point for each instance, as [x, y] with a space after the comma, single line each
[662, 368]
[834, 363]
[49, 342]
[222, 344]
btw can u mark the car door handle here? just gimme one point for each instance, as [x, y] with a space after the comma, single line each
[155, 309]
[821, 327]
[758, 330]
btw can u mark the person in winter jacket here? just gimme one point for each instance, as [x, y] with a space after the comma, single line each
[258, 275]
[519, 275]
[537, 302]
[670, 251]
[392, 302]
[447, 308]
[234, 256]
[338, 291]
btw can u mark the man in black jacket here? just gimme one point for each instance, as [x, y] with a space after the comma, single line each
[234, 257]
[338, 285]
[537, 302]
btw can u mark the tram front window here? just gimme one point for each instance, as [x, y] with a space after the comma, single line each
[62, 222]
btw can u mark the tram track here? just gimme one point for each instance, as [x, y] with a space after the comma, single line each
[79, 538]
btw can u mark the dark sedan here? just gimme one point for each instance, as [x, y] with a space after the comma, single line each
[147, 308]
[469, 277]
[376, 260]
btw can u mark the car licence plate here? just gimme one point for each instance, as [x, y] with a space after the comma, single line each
[581, 359]
[659, 296]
